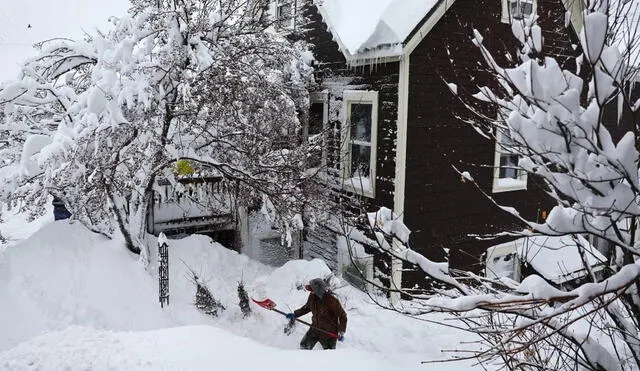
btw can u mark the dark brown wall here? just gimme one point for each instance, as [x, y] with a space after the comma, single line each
[333, 75]
[440, 209]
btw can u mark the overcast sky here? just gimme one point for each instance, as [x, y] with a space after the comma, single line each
[48, 19]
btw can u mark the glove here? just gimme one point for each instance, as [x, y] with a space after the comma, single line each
[340, 336]
[290, 316]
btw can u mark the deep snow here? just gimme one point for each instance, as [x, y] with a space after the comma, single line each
[72, 298]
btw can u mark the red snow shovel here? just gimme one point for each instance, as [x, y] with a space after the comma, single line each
[270, 305]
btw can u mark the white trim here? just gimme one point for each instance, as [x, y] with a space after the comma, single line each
[355, 97]
[505, 184]
[504, 11]
[323, 98]
[501, 250]
[401, 138]
[401, 166]
[436, 14]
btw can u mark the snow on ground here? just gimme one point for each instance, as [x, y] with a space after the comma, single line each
[72, 298]
[181, 348]
[16, 227]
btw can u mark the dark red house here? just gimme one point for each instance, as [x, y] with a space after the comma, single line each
[386, 71]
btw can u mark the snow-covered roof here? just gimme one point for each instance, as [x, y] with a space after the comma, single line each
[361, 26]
[25, 22]
[557, 258]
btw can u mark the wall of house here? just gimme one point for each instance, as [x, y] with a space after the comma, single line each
[335, 76]
[441, 210]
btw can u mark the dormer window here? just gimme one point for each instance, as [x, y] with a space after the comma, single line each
[517, 9]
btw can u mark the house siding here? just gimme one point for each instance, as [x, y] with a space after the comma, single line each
[442, 211]
[335, 76]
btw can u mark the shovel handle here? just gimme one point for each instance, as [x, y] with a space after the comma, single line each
[333, 335]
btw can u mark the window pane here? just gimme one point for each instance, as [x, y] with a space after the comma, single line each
[284, 14]
[361, 121]
[514, 9]
[508, 166]
[360, 161]
[527, 8]
[316, 114]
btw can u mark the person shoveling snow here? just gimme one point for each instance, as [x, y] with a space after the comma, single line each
[327, 313]
[328, 322]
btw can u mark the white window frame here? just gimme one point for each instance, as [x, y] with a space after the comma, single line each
[275, 7]
[496, 252]
[321, 97]
[358, 255]
[359, 97]
[505, 184]
[507, 17]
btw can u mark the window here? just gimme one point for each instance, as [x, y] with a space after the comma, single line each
[507, 175]
[503, 261]
[354, 264]
[359, 144]
[284, 13]
[517, 9]
[318, 122]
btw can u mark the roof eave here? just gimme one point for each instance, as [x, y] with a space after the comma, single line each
[377, 55]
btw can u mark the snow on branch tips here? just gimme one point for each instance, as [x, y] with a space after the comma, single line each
[556, 116]
[96, 122]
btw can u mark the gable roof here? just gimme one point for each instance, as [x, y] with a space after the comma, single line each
[373, 28]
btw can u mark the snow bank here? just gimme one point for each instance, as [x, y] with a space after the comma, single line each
[16, 227]
[184, 348]
[558, 258]
[64, 276]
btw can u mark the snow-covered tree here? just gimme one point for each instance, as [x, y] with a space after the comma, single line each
[96, 121]
[557, 124]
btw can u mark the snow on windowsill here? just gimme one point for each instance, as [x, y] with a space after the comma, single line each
[359, 185]
[509, 184]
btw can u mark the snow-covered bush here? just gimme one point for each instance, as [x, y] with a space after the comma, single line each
[204, 300]
[96, 121]
[245, 308]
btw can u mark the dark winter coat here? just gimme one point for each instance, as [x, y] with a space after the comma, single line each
[327, 314]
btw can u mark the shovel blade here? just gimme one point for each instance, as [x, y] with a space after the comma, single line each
[266, 303]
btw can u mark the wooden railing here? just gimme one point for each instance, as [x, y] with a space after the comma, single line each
[197, 205]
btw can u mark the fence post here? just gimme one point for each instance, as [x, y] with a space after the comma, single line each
[163, 269]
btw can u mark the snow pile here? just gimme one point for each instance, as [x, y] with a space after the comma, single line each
[558, 258]
[26, 22]
[16, 226]
[361, 25]
[182, 348]
[65, 276]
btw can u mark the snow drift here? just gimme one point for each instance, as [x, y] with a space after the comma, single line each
[70, 298]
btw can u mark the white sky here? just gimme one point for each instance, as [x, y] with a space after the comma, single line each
[48, 19]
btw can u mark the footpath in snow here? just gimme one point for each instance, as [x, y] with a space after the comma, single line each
[74, 300]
